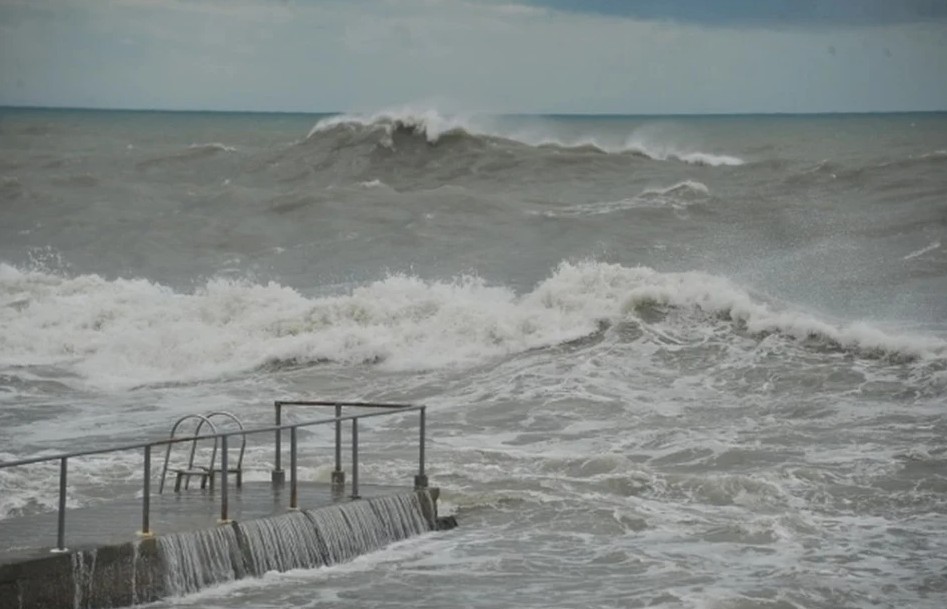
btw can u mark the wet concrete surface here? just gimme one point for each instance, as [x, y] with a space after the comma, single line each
[120, 521]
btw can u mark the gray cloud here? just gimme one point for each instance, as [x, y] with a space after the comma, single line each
[762, 12]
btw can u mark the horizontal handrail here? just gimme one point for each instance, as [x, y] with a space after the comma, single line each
[63, 458]
[330, 403]
[270, 428]
[338, 477]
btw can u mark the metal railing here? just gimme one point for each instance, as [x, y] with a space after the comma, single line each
[338, 476]
[390, 409]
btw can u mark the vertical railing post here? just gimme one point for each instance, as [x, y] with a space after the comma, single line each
[224, 466]
[293, 477]
[338, 476]
[146, 495]
[61, 534]
[278, 476]
[355, 458]
[420, 481]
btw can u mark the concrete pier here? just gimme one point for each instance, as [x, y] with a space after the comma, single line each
[107, 564]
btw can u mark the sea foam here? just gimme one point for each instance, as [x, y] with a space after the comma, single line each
[122, 333]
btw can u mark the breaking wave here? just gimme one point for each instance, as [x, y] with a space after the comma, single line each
[433, 127]
[128, 332]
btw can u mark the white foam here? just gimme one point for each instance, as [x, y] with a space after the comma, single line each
[703, 158]
[210, 146]
[33, 488]
[127, 332]
[930, 247]
[653, 146]
[427, 121]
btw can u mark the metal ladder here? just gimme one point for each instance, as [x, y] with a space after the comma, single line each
[205, 473]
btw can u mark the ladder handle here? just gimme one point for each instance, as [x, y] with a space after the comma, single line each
[243, 436]
[174, 429]
[197, 432]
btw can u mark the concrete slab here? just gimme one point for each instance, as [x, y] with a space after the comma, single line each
[117, 522]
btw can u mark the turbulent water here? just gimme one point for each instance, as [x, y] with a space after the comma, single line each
[669, 362]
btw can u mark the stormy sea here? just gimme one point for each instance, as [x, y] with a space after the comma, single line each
[679, 362]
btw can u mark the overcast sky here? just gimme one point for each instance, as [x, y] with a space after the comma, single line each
[588, 56]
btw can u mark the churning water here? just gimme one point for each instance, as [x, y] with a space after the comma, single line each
[670, 362]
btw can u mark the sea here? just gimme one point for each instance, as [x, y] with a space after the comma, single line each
[668, 361]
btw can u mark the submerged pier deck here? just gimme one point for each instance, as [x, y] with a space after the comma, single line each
[115, 522]
[140, 549]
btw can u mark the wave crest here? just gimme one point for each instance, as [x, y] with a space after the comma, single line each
[128, 332]
[433, 126]
[430, 124]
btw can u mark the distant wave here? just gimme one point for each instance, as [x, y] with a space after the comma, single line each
[877, 170]
[676, 196]
[680, 187]
[376, 183]
[212, 147]
[936, 159]
[434, 126]
[128, 332]
[429, 123]
[666, 153]
[191, 153]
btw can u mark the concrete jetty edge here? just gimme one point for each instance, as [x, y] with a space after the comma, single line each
[128, 573]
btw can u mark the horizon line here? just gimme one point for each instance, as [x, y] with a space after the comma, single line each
[4, 107]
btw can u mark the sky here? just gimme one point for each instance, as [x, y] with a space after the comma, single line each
[530, 56]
